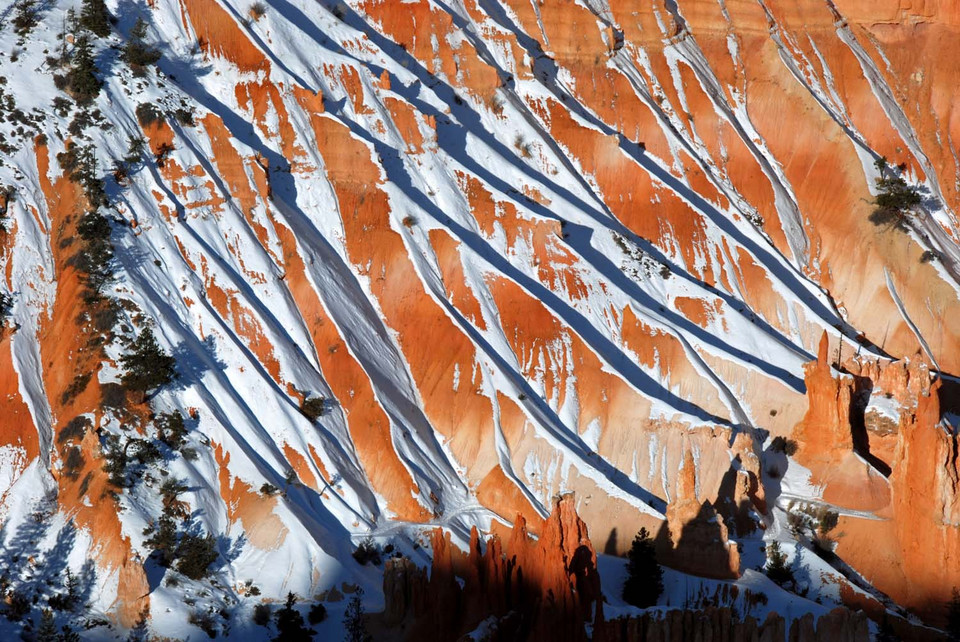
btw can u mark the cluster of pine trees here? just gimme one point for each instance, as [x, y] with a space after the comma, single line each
[145, 366]
[83, 79]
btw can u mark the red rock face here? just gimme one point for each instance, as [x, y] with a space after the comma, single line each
[825, 429]
[910, 552]
[544, 589]
[548, 589]
[694, 539]
[926, 509]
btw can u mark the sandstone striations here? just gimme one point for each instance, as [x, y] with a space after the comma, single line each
[427, 265]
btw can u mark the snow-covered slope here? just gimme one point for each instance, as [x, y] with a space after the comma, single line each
[517, 248]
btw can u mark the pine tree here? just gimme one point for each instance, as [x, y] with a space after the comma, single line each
[82, 78]
[290, 627]
[163, 540]
[148, 366]
[644, 582]
[777, 569]
[170, 492]
[25, 17]
[171, 429]
[895, 198]
[140, 632]
[6, 303]
[95, 18]
[195, 554]
[80, 163]
[115, 460]
[72, 583]
[137, 53]
[353, 619]
[953, 616]
[47, 631]
[71, 599]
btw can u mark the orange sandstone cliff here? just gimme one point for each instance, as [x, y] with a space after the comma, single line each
[425, 264]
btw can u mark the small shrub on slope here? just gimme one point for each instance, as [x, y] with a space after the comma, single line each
[257, 10]
[148, 114]
[895, 199]
[268, 489]
[184, 116]
[312, 408]
[367, 552]
[205, 621]
[317, 614]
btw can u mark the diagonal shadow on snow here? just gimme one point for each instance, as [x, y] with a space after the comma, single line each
[400, 407]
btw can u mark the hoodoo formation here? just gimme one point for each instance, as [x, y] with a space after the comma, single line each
[608, 320]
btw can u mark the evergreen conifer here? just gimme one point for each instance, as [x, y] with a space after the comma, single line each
[82, 78]
[147, 367]
[290, 626]
[95, 18]
[644, 582]
[353, 620]
[137, 54]
[777, 569]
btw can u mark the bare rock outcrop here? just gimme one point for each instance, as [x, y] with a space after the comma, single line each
[907, 477]
[926, 508]
[694, 538]
[544, 589]
[825, 433]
